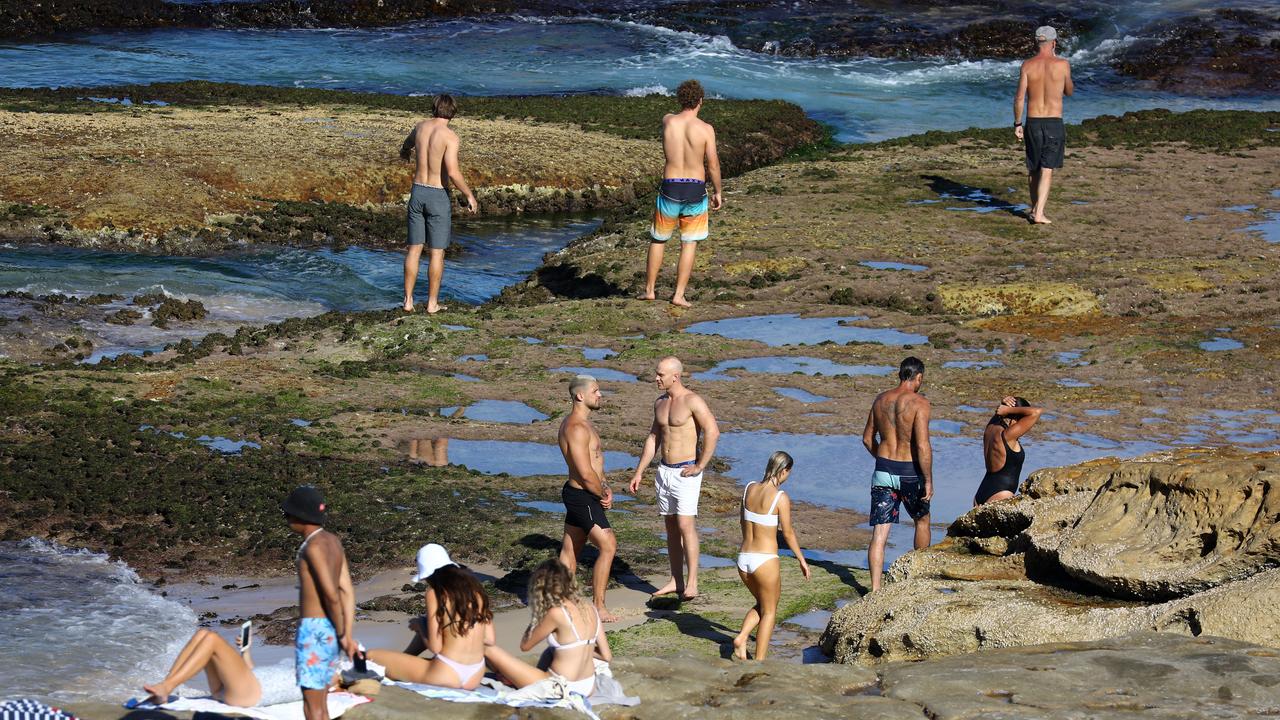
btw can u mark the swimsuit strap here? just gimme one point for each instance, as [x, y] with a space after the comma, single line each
[774, 505]
[306, 540]
[744, 493]
[578, 641]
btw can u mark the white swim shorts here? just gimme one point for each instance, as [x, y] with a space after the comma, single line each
[678, 495]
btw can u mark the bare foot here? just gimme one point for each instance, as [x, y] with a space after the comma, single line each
[157, 693]
[739, 648]
[1041, 220]
[605, 615]
[681, 302]
[646, 296]
[433, 308]
[407, 307]
[668, 589]
[689, 593]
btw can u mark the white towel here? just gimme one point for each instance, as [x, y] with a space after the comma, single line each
[496, 693]
[339, 703]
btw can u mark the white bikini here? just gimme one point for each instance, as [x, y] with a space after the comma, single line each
[749, 562]
[586, 685]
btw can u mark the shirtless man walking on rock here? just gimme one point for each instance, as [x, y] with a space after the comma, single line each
[429, 203]
[586, 494]
[1045, 78]
[324, 630]
[682, 199]
[897, 436]
[679, 415]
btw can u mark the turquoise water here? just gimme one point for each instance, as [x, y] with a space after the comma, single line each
[495, 254]
[863, 98]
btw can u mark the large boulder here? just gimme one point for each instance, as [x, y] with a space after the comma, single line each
[1158, 530]
[1090, 552]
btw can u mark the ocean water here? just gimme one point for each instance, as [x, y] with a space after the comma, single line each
[863, 98]
[79, 626]
[270, 284]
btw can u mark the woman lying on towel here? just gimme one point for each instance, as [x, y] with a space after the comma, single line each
[570, 626]
[459, 626]
[229, 671]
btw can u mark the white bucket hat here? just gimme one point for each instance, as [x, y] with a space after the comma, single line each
[431, 557]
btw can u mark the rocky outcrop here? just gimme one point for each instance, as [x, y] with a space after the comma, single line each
[1147, 675]
[19, 18]
[1228, 52]
[1184, 542]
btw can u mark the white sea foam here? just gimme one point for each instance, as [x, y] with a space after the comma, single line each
[647, 90]
[78, 625]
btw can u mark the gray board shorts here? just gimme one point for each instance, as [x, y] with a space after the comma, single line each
[429, 213]
[1046, 143]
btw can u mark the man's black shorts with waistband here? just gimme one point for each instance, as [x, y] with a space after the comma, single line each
[582, 509]
[1046, 143]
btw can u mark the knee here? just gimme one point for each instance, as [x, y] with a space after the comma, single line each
[609, 544]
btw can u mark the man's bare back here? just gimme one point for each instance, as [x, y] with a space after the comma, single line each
[1045, 80]
[895, 414]
[433, 141]
[685, 139]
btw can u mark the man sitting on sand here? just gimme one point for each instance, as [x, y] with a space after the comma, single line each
[1045, 78]
[679, 415]
[682, 199]
[586, 494]
[324, 631]
[897, 436]
[429, 203]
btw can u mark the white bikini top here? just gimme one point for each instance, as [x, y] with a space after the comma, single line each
[769, 518]
[578, 641]
[303, 547]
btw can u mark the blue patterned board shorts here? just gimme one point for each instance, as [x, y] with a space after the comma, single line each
[896, 483]
[317, 653]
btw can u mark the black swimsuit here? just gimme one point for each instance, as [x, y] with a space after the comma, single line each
[1006, 478]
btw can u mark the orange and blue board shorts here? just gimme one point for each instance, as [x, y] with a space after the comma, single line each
[681, 202]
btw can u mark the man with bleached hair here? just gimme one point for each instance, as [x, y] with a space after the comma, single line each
[586, 493]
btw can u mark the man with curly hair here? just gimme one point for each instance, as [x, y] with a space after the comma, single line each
[689, 144]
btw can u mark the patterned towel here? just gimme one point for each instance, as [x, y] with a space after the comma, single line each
[24, 709]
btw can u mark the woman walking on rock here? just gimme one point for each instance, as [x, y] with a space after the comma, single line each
[765, 509]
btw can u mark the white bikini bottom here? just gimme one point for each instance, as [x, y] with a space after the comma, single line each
[749, 562]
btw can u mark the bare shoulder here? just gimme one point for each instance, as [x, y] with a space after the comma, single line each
[323, 545]
[695, 400]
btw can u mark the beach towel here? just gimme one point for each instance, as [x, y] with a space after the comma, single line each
[549, 693]
[24, 709]
[339, 703]
[495, 693]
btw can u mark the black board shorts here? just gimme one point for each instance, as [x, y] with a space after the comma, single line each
[582, 509]
[1046, 143]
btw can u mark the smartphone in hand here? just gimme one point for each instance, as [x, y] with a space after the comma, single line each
[246, 635]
